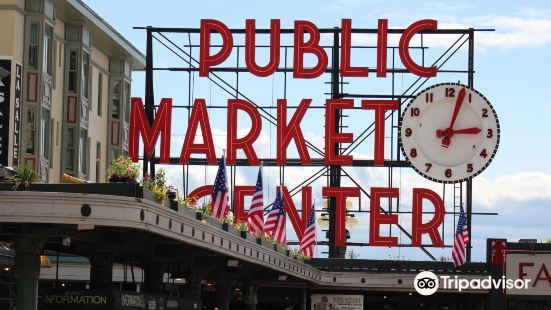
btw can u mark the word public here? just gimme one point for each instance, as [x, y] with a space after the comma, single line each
[289, 128]
[312, 46]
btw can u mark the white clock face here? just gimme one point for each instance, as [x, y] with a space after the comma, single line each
[449, 133]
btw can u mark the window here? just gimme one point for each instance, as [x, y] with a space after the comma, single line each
[30, 131]
[82, 152]
[98, 162]
[85, 73]
[115, 111]
[33, 46]
[45, 134]
[126, 101]
[100, 93]
[70, 151]
[72, 71]
[47, 59]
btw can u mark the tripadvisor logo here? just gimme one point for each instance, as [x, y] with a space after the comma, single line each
[427, 283]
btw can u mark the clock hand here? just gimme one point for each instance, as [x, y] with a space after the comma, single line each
[469, 131]
[458, 104]
[446, 140]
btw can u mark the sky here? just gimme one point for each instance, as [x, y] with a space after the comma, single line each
[511, 69]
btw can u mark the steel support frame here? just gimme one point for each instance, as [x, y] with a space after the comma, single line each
[333, 173]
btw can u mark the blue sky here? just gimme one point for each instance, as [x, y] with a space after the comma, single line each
[511, 65]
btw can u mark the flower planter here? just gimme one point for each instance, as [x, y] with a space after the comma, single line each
[119, 179]
[214, 222]
[248, 236]
[115, 189]
[233, 230]
[150, 195]
[266, 243]
[280, 249]
[187, 211]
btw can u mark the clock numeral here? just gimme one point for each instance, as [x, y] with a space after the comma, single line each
[470, 98]
[428, 165]
[490, 133]
[448, 173]
[413, 152]
[429, 97]
[450, 92]
[483, 153]
[470, 168]
[408, 132]
[414, 112]
[484, 112]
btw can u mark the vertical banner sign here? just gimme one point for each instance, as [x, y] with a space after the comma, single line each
[5, 87]
[17, 113]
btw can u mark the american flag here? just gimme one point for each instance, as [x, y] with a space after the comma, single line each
[275, 223]
[256, 211]
[219, 202]
[460, 241]
[308, 241]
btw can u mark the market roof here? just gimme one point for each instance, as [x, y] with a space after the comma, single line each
[103, 34]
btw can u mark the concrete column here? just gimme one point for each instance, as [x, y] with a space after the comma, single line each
[251, 297]
[223, 292]
[303, 299]
[101, 271]
[27, 270]
[194, 290]
[153, 282]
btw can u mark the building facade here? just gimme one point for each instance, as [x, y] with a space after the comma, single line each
[65, 92]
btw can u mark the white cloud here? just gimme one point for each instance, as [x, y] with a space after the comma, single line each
[510, 32]
[519, 187]
[515, 32]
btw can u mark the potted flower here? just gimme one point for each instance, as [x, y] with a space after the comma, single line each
[23, 175]
[123, 169]
[188, 206]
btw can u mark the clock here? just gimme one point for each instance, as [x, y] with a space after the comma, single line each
[449, 133]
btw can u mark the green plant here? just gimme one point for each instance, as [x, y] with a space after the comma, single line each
[189, 202]
[123, 169]
[24, 174]
[295, 253]
[227, 219]
[350, 254]
[242, 226]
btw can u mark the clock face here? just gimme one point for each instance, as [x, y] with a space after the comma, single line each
[449, 133]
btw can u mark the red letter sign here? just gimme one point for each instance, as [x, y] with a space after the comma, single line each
[346, 69]
[377, 219]
[380, 107]
[239, 193]
[340, 194]
[331, 136]
[312, 46]
[271, 67]
[161, 125]
[425, 24]
[382, 38]
[205, 59]
[292, 131]
[199, 115]
[431, 227]
[298, 224]
[245, 143]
